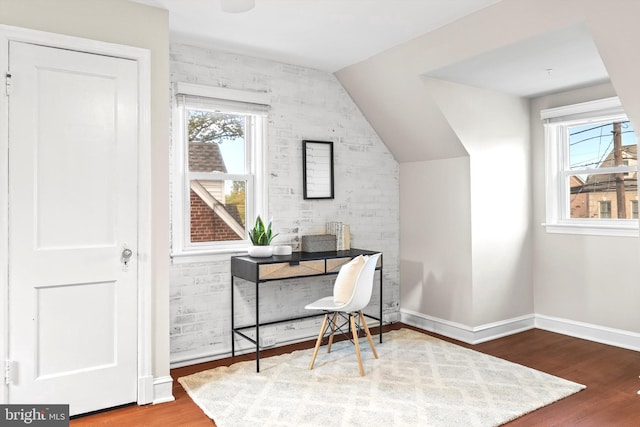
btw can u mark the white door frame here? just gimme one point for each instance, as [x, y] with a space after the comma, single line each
[142, 56]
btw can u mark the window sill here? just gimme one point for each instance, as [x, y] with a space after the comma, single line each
[206, 255]
[630, 229]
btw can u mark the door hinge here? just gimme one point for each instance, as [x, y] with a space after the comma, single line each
[9, 372]
[8, 84]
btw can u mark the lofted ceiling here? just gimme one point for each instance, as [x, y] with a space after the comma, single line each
[333, 34]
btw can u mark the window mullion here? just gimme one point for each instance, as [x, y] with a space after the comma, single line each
[216, 176]
[603, 171]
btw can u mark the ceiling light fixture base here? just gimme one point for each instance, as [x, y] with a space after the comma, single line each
[237, 6]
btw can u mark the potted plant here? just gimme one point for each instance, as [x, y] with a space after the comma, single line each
[261, 238]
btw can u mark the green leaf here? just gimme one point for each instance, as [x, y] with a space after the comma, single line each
[261, 235]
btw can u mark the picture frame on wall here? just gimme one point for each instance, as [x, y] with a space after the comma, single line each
[317, 169]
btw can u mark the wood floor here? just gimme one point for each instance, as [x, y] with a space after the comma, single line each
[610, 374]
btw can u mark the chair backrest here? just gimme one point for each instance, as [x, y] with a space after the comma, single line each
[364, 286]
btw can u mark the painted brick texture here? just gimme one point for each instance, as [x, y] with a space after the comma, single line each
[305, 104]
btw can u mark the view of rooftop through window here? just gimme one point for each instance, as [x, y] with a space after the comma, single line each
[602, 170]
[217, 146]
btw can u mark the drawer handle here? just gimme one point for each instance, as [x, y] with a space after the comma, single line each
[294, 262]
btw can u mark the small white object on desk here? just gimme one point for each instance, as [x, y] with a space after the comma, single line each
[282, 250]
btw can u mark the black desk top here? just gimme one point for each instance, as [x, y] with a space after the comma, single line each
[303, 256]
[246, 267]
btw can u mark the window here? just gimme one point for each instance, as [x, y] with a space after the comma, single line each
[219, 179]
[605, 209]
[591, 169]
[634, 209]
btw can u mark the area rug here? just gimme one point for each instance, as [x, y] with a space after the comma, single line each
[418, 380]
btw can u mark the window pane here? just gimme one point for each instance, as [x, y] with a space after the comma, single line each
[605, 195]
[217, 210]
[605, 209]
[216, 142]
[592, 145]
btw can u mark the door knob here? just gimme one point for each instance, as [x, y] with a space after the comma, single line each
[125, 257]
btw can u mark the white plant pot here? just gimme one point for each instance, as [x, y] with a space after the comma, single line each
[260, 251]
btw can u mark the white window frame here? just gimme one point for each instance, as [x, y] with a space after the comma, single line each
[229, 100]
[556, 121]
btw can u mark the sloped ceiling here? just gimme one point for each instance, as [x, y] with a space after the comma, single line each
[520, 47]
[516, 47]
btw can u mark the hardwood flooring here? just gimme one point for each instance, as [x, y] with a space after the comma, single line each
[610, 374]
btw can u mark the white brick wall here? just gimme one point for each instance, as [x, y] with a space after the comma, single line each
[306, 104]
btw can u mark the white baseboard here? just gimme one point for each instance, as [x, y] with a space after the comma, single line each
[491, 331]
[465, 333]
[454, 330]
[587, 331]
[162, 390]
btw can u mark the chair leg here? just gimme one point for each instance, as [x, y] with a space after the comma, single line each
[366, 329]
[354, 332]
[323, 328]
[333, 330]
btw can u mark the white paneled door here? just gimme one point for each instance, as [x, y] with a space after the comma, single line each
[73, 129]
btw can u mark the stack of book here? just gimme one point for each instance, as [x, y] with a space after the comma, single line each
[342, 233]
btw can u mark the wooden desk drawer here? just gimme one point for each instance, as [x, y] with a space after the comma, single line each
[334, 264]
[282, 270]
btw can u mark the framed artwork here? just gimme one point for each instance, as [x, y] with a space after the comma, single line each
[317, 169]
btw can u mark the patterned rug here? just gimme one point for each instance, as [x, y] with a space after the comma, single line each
[418, 380]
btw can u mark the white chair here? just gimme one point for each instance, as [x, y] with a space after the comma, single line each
[348, 311]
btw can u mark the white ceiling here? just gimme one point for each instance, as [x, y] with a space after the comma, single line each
[322, 34]
[559, 60]
[332, 34]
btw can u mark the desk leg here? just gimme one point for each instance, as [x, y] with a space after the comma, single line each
[257, 328]
[380, 305]
[233, 341]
